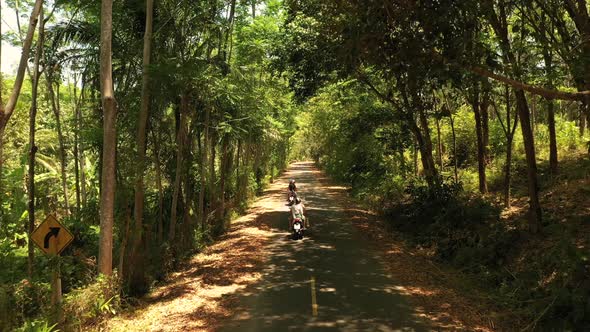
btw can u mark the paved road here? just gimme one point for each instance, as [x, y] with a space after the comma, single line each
[351, 289]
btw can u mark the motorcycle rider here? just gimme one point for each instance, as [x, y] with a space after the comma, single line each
[292, 191]
[297, 211]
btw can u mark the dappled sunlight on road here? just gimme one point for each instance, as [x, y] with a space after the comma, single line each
[257, 279]
[419, 279]
[353, 292]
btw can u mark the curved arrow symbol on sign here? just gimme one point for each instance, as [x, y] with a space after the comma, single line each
[52, 232]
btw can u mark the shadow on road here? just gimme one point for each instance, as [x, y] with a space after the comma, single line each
[255, 278]
[352, 290]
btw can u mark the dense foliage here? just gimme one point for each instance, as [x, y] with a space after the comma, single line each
[217, 132]
[441, 115]
[463, 121]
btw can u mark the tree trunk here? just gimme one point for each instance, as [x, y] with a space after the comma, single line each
[238, 154]
[439, 145]
[552, 136]
[62, 153]
[425, 154]
[160, 188]
[221, 193]
[481, 164]
[77, 170]
[425, 144]
[203, 170]
[33, 147]
[529, 145]
[485, 125]
[582, 126]
[180, 138]
[77, 150]
[226, 165]
[187, 233]
[454, 148]
[500, 27]
[81, 150]
[533, 114]
[122, 249]
[415, 156]
[226, 51]
[547, 56]
[108, 183]
[213, 203]
[7, 110]
[142, 136]
[507, 173]
[248, 160]
[188, 229]
[253, 9]
[509, 131]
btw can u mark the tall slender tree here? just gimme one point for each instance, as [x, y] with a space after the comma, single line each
[142, 130]
[32, 146]
[7, 110]
[56, 107]
[109, 108]
[497, 16]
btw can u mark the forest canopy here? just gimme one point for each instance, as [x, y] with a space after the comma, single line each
[145, 127]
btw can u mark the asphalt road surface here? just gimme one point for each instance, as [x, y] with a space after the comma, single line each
[332, 280]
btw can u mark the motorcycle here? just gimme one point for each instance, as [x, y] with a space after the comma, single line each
[297, 229]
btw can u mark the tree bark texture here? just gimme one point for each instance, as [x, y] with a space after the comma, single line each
[33, 147]
[203, 170]
[160, 230]
[529, 145]
[108, 182]
[481, 164]
[180, 138]
[142, 135]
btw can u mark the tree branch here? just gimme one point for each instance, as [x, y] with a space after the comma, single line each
[536, 90]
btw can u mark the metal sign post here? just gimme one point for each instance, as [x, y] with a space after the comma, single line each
[52, 238]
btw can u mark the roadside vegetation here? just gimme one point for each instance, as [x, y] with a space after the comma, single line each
[197, 128]
[479, 175]
[146, 126]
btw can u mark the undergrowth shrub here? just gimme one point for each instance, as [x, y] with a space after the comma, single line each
[86, 305]
[554, 282]
[31, 298]
[6, 308]
[547, 287]
[38, 326]
[463, 229]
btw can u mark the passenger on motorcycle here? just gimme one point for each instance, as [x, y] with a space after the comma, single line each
[292, 191]
[292, 186]
[297, 211]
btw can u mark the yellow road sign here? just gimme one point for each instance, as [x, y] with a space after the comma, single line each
[51, 236]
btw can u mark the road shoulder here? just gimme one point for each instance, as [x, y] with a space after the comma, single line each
[434, 290]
